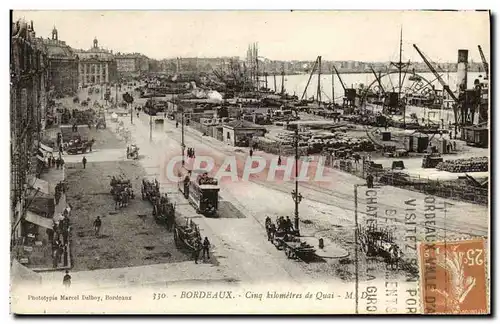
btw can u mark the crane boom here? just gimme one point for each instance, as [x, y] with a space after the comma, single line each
[340, 79]
[378, 79]
[310, 77]
[436, 74]
[485, 64]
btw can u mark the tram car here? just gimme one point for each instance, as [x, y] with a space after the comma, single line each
[201, 190]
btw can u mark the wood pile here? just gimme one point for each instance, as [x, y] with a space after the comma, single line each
[474, 164]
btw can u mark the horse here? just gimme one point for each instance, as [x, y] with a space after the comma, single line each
[392, 256]
[124, 198]
[118, 199]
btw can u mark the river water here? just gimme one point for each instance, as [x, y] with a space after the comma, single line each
[297, 83]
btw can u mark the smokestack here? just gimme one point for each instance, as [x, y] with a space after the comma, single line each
[462, 65]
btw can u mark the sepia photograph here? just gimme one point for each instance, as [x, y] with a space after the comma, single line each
[250, 162]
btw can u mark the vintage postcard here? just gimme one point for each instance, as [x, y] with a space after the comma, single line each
[250, 162]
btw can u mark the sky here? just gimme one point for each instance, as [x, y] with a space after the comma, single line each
[370, 36]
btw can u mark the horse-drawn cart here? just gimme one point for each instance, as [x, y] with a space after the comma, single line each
[377, 242]
[132, 152]
[150, 189]
[287, 239]
[122, 191]
[164, 211]
[80, 147]
[187, 235]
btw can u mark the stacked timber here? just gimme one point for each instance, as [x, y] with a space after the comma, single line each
[474, 164]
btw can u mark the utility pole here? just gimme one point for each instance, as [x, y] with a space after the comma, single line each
[275, 82]
[333, 89]
[297, 197]
[150, 128]
[356, 262]
[283, 79]
[182, 133]
[318, 92]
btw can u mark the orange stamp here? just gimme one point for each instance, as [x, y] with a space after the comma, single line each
[453, 277]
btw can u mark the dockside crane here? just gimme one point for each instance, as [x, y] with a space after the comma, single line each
[485, 63]
[349, 94]
[378, 79]
[446, 87]
[310, 77]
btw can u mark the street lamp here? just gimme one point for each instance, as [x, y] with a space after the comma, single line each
[297, 197]
[150, 128]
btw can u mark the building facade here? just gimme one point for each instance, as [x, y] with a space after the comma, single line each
[63, 65]
[131, 65]
[96, 66]
[28, 88]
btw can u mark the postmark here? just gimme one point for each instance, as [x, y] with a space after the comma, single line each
[453, 277]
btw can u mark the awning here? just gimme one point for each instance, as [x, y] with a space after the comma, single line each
[38, 220]
[46, 148]
[39, 184]
[21, 274]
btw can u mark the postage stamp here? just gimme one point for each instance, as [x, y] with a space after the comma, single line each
[453, 277]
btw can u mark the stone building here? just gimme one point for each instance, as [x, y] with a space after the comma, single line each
[63, 65]
[131, 65]
[28, 98]
[96, 66]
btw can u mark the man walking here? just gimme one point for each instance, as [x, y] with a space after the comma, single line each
[206, 247]
[196, 251]
[97, 225]
[84, 162]
[67, 280]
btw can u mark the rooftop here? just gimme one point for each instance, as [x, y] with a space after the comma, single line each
[242, 124]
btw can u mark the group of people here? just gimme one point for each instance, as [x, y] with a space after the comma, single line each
[59, 237]
[283, 225]
[54, 162]
[200, 246]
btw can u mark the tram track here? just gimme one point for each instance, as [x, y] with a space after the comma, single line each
[343, 201]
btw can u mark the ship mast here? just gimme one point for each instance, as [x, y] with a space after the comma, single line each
[400, 66]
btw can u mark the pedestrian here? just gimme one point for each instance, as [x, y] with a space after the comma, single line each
[251, 152]
[279, 160]
[84, 162]
[67, 280]
[196, 252]
[206, 247]
[58, 163]
[369, 181]
[454, 146]
[62, 163]
[97, 225]
[137, 114]
[176, 124]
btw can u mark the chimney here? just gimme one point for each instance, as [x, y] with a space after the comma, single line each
[462, 66]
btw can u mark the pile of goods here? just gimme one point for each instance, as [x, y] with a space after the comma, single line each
[474, 164]
[339, 140]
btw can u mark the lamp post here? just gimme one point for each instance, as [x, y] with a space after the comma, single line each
[356, 260]
[183, 146]
[297, 197]
[150, 128]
